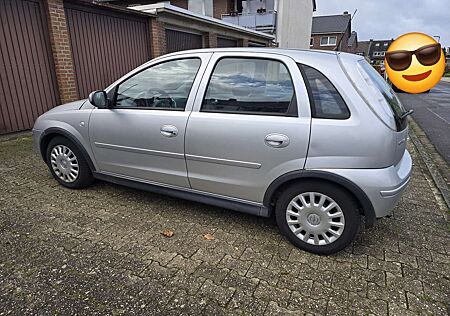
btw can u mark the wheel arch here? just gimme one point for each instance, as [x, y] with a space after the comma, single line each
[293, 177]
[53, 132]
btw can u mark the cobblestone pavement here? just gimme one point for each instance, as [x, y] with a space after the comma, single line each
[100, 251]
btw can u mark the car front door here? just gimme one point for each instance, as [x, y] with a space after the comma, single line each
[141, 136]
[250, 124]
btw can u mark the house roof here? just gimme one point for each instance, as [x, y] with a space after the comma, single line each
[330, 23]
[353, 37]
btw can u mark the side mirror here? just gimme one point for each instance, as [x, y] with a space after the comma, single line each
[99, 99]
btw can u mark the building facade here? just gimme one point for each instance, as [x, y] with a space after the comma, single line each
[57, 51]
[375, 50]
[289, 21]
[333, 32]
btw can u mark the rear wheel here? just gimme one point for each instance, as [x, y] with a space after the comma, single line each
[67, 164]
[318, 217]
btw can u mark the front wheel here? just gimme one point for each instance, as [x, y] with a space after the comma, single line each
[318, 217]
[67, 164]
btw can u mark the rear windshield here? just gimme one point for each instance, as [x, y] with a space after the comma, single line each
[373, 78]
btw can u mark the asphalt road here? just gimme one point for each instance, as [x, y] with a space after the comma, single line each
[432, 113]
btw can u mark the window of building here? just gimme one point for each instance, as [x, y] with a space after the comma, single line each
[311, 41]
[165, 86]
[377, 44]
[385, 44]
[250, 86]
[328, 40]
[326, 102]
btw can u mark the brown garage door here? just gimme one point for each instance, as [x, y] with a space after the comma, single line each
[177, 40]
[105, 45]
[226, 42]
[28, 83]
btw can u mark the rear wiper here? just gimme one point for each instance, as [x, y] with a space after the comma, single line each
[406, 113]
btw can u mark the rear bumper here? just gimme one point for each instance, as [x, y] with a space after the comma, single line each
[383, 187]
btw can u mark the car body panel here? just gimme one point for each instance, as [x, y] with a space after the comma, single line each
[226, 153]
[130, 141]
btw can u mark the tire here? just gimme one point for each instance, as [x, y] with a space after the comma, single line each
[325, 239]
[76, 174]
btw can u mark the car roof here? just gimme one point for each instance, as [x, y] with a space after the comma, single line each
[299, 55]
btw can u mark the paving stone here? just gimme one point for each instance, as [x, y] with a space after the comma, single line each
[219, 294]
[101, 252]
[267, 292]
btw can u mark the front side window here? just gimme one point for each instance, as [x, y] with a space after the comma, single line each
[326, 101]
[165, 86]
[250, 86]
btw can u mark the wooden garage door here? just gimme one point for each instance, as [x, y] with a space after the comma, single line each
[177, 40]
[226, 42]
[28, 82]
[105, 45]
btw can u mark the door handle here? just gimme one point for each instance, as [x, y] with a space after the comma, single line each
[276, 140]
[169, 130]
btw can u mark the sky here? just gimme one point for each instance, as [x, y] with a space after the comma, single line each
[386, 19]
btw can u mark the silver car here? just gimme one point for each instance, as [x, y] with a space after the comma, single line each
[318, 139]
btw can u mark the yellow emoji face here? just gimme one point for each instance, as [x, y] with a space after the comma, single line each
[415, 62]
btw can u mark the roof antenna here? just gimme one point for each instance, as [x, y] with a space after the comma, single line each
[343, 32]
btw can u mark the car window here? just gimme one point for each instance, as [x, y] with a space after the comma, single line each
[326, 102]
[250, 86]
[164, 86]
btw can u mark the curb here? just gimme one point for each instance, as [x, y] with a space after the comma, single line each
[424, 153]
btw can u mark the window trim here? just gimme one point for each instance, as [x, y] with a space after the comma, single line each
[113, 91]
[293, 105]
[311, 97]
[328, 40]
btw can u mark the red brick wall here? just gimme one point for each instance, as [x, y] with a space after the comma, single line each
[211, 40]
[158, 38]
[62, 53]
[180, 3]
[221, 7]
[343, 45]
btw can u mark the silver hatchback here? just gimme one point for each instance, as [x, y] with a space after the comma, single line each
[318, 139]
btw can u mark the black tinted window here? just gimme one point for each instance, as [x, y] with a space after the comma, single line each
[326, 100]
[250, 86]
[163, 86]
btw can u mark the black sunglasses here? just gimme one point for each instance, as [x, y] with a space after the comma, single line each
[426, 55]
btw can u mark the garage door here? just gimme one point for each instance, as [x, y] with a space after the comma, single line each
[105, 45]
[226, 42]
[28, 82]
[177, 40]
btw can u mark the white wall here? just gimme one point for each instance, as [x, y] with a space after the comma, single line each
[204, 7]
[294, 20]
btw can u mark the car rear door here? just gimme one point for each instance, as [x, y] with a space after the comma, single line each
[250, 124]
[142, 135]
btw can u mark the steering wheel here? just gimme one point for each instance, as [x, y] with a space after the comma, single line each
[160, 99]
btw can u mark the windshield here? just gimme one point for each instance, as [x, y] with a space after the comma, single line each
[383, 92]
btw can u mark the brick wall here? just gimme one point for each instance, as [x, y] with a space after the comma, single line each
[62, 53]
[158, 38]
[180, 3]
[221, 7]
[344, 43]
[211, 40]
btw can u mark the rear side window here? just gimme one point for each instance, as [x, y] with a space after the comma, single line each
[250, 86]
[326, 102]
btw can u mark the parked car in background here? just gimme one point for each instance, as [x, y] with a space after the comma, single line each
[316, 138]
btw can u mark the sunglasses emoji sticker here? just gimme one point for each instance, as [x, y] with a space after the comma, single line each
[415, 62]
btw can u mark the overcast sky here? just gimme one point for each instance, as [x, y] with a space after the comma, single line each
[385, 19]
